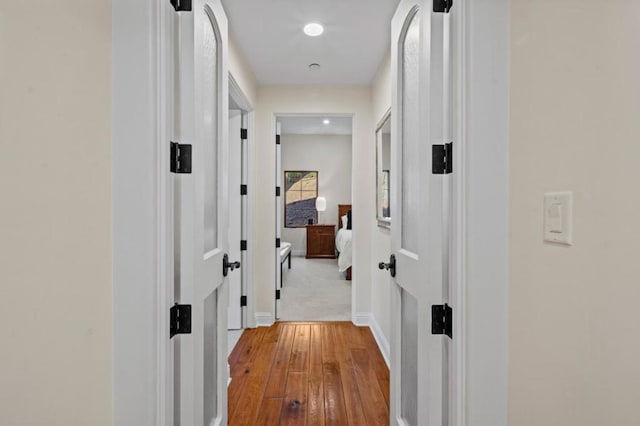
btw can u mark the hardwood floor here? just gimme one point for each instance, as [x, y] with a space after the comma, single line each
[322, 373]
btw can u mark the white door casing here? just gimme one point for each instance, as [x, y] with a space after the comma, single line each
[420, 386]
[200, 385]
[279, 222]
[236, 217]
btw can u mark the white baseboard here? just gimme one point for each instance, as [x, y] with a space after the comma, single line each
[361, 319]
[264, 319]
[381, 340]
[298, 253]
[366, 319]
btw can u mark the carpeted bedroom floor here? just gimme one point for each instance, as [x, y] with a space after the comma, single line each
[314, 290]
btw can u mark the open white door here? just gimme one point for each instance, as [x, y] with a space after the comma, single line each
[202, 195]
[419, 358]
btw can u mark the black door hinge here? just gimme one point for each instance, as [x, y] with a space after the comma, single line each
[243, 245]
[180, 158]
[277, 294]
[277, 139]
[179, 320]
[277, 191]
[442, 320]
[442, 6]
[277, 242]
[181, 5]
[243, 300]
[244, 134]
[243, 189]
[442, 159]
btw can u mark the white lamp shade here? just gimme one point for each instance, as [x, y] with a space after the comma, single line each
[321, 204]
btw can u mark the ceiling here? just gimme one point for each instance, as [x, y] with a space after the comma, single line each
[355, 40]
[313, 125]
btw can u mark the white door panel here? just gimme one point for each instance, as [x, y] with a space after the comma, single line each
[203, 216]
[420, 113]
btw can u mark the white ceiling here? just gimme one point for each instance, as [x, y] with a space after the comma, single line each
[355, 40]
[313, 125]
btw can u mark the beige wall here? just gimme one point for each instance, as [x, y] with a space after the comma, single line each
[241, 72]
[55, 244]
[575, 125]
[330, 155]
[381, 238]
[313, 100]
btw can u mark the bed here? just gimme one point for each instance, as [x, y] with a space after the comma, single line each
[343, 242]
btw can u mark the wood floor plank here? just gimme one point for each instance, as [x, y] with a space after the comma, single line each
[233, 393]
[280, 366]
[377, 410]
[334, 408]
[343, 380]
[377, 362]
[264, 359]
[352, 400]
[294, 403]
[246, 413]
[269, 412]
[249, 351]
[299, 361]
[315, 395]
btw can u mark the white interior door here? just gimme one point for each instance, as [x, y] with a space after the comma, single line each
[419, 367]
[200, 387]
[235, 217]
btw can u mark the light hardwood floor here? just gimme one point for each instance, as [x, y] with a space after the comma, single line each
[312, 373]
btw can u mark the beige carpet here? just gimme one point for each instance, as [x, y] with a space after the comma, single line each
[314, 290]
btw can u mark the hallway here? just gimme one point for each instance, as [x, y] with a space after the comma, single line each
[301, 373]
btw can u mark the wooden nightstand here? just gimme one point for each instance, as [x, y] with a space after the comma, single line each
[321, 241]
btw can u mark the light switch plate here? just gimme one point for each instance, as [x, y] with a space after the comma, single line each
[558, 217]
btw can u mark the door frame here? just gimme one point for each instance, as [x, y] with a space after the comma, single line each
[241, 99]
[140, 264]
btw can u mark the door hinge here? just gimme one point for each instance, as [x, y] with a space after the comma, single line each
[277, 294]
[277, 242]
[243, 245]
[244, 134]
[442, 159]
[179, 320]
[277, 191]
[277, 139]
[442, 6]
[181, 5]
[243, 300]
[442, 320]
[243, 189]
[180, 158]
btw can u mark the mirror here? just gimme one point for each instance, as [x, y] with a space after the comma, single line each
[383, 168]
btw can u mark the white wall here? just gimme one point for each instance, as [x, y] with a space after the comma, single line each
[55, 243]
[575, 125]
[314, 100]
[330, 155]
[381, 237]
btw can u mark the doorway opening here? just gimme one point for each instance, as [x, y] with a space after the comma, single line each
[313, 217]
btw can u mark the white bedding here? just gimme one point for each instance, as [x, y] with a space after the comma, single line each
[343, 245]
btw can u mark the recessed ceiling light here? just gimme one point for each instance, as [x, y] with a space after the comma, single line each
[313, 29]
[314, 66]
[326, 121]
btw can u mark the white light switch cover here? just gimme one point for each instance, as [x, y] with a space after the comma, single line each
[558, 217]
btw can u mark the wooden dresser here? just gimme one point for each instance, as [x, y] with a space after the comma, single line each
[321, 241]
